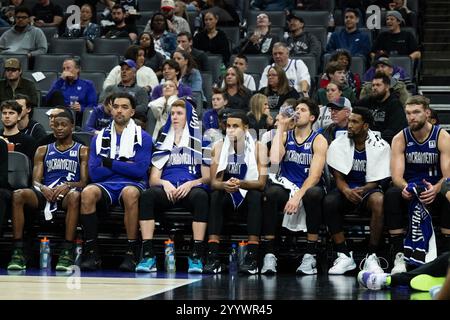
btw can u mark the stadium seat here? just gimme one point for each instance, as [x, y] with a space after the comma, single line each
[277, 18]
[405, 62]
[96, 77]
[145, 16]
[310, 62]
[314, 18]
[51, 62]
[257, 78]
[111, 46]
[198, 98]
[50, 34]
[207, 84]
[256, 62]
[86, 114]
[320, 33]
[233, 35]
[67, 46]
[19, 170]
[85, 137]
[99, 62]
[215, 61]
[45, 84]
[277, 31]
[149, 5]
[151, 122]
[3, 29]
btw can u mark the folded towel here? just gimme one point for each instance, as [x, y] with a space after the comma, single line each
[378, 153]
[249, 158]
[296, 221]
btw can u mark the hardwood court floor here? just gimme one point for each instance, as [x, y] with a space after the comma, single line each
[113, 285]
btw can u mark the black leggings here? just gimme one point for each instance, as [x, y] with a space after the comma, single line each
[276, 199]
[396, 208]
[221, 202]
[436, 268]
[155, 199]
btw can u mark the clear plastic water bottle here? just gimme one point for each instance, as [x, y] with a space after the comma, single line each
[233, 266]
[331, 22]
[242, 250]
[170, 262]
[45, 260]
[78, 251]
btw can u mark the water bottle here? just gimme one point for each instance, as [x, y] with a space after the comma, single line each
[170, 256]
[223, 70]
[78, 251]
[233, 266]
[45, 260]
[242, 250]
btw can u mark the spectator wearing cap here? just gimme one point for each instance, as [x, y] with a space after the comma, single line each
[23, 38]
[397, 72]
[350, 38]
[175, 23]
[145, 76]
[128, 84]
[71, 91]
[396, 41]
[336, 73]
[261, 40]
[301, 42]
[46, 14]
[13, 83]
[398, 87]
[340, 110]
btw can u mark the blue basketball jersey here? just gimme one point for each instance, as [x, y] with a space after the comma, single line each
[357, 176]
[297, 159]
[236, 167]
[62, 166]
[422, 160]
[180, 167]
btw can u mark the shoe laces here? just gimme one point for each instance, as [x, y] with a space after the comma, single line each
[376, 259]
[308, 258]
[341, 257]
[270, 259]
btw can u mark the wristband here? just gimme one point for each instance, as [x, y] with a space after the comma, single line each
[107, 162]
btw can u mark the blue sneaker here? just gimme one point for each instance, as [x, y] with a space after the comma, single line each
[147, 264]
[195, 265]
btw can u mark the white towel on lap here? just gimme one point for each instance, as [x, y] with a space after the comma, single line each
[378, 153]
[296, 221]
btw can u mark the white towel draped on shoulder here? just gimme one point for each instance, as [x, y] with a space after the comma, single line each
[378, 153]
[249, 158]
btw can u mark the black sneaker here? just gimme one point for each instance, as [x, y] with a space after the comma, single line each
[213, 264]
[129, 262]
[250, 264]
[90, 261]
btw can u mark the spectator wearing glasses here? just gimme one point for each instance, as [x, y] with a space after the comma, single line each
[14, 84]
[23, 38]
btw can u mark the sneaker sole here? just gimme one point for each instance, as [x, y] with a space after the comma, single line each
[146, 270]
[249, 272]
[195, 270]
[214, 271]
[62, 268]
[301, 272]
[350, 268]
[268, 271]
[425, 282]
[16, 267]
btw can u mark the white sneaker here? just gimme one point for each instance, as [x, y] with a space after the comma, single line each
[308, 265]
[399, 263]
[372, 281]
[270, 264]
[371, 264]
[342, 264]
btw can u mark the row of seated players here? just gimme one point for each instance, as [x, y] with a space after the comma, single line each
[231, 175]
